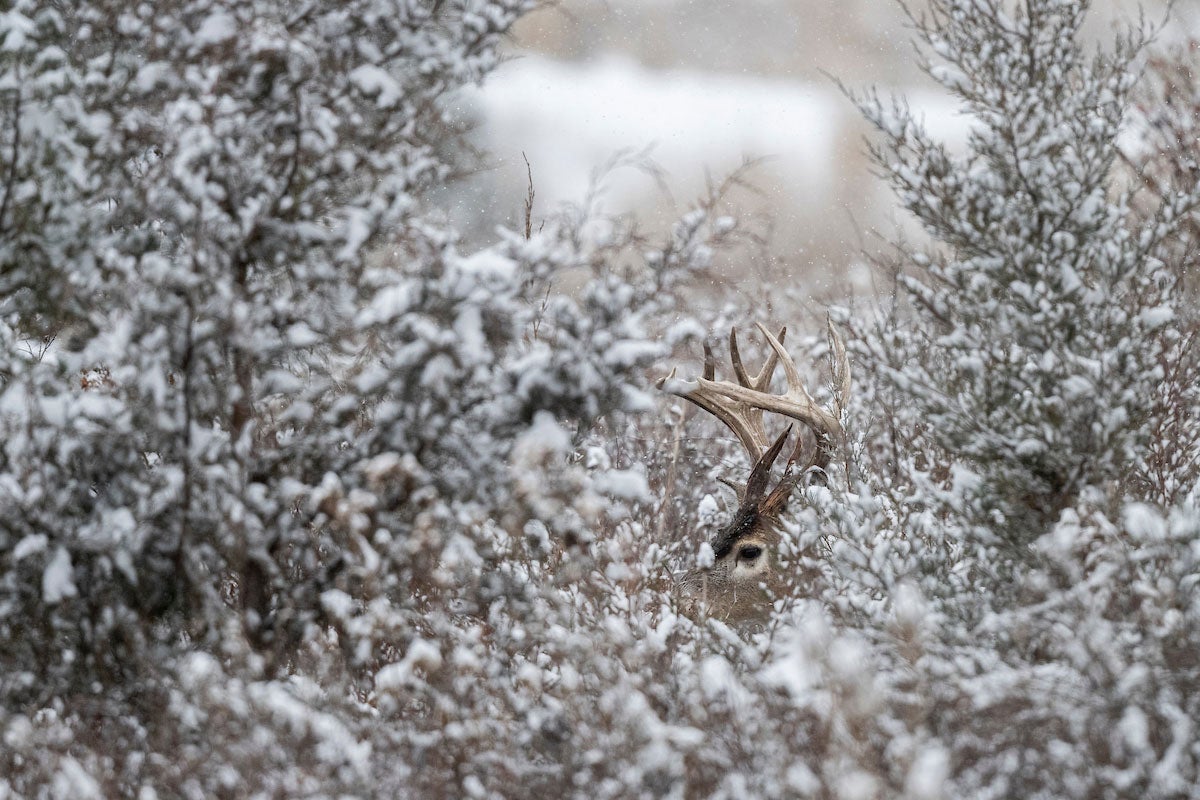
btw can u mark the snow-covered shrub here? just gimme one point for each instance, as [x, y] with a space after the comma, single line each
[271, 442]
[1039, 311]
[301, 497]
[1029, 387]
[1162, 155]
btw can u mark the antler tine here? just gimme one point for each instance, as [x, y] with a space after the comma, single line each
[840, 365]
[795, 383]
[740, 406]
[741, 418]
[799, 405]
[743, 421]
[762, 381]
[760, 474]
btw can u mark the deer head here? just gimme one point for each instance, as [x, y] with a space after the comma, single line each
[737, 586]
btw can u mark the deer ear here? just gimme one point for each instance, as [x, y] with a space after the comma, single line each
[761, 474]
[778, 498]
[793, 477]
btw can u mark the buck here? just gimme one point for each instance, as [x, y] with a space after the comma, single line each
[737, 587]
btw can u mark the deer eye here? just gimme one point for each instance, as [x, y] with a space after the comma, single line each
[750, 552]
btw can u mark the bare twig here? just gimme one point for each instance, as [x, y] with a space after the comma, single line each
[529, 195]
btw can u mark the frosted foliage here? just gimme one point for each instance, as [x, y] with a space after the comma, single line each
[1046, 310]
[302, 497]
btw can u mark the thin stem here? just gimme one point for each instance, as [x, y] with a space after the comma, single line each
[11, 178]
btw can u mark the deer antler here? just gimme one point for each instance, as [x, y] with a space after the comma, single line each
[740, 405]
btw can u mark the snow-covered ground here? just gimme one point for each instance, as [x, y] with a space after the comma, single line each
[568, 118]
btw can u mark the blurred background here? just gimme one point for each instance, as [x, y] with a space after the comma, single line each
[702, 87]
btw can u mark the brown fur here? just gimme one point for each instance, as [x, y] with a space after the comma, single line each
[736, 590]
